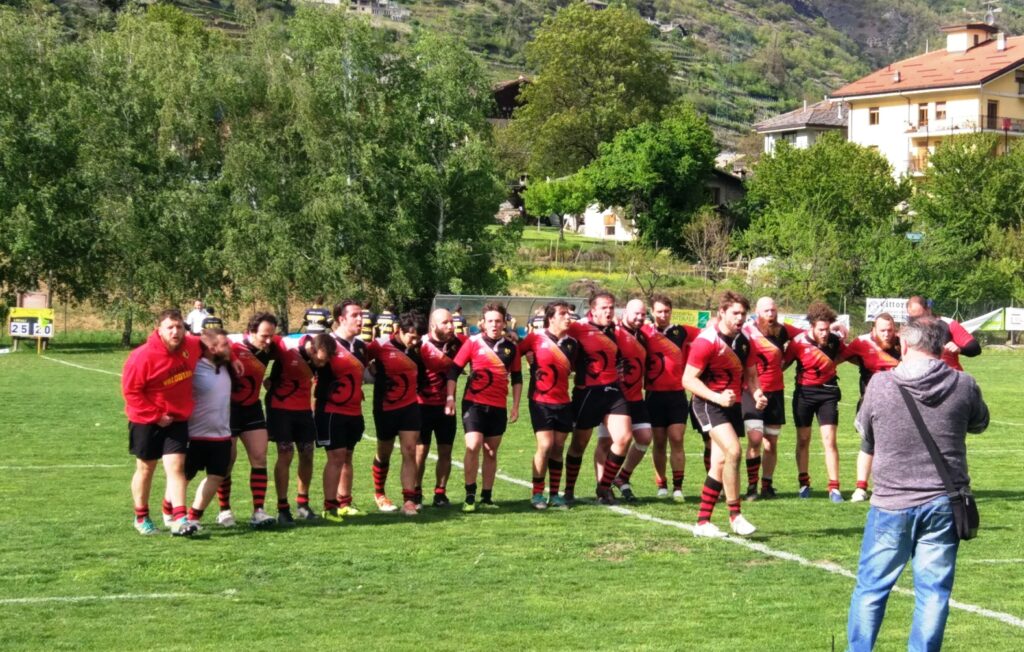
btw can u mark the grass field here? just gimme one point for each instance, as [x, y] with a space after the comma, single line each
[77, 576]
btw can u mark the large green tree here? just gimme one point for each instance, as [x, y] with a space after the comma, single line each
[597, 72]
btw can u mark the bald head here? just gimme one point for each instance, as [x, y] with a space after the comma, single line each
[442, 328]
[633, 316]
[767, 313]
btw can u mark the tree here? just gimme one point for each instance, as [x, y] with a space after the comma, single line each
[708, 237]
[597, 72]
[822, 213]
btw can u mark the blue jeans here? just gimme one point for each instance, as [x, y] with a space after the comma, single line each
[924, 534]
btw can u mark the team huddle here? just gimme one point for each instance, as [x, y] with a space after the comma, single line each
[190, 399]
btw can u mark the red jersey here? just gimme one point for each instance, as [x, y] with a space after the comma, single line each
[722, 360]
[493, 363]
[291, 378]
[815, 365]
[396, 375]
[553, 362]
[957, 335]
[245, 389]
[871, 357]
[666, 355]
[156, 381]
[768, 352]
[339, 384]
[597, 363]
[435, 361]
[632, 362]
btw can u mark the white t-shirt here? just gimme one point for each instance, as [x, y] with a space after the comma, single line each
[211, 388]
[194, 321]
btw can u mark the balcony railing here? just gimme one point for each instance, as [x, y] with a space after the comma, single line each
[917, 164]
[983, 122]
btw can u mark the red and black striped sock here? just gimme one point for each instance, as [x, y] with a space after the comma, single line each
[708, 498]
[141, 514]
[611, 469]
[439, 491]
[766, 482]
[178, 513]
[538, 485]
[331, 504]
[167, 508]
[625, 474]
[833, 484]
[344, 501]
[380, 476]
[195, 514]
[572, 471]
[677, 480]
[734, 509]
[302, 500]
[753, 469]
[554, 476]
[282, 504]
[224, 493]
[409, 495]
[862, 484]
[258, 487]
[804, 479]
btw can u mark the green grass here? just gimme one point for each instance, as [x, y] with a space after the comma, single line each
[588, 579]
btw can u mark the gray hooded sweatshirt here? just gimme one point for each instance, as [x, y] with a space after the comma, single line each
[951, 405]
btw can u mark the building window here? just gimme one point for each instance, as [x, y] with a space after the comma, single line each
[991, 119]
[922, 115]
[716, 196]
[609, 225]
[1020, 82]
[873, 115]
[940, 110]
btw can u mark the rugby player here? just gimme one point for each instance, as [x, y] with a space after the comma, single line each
[290, 417]
[768, 341]
[461, 327]
[632, 343]
[385, 325]
[348, 322]
[600, 400]
[876, 351]
[368, 321]
[494, 361]
[396, 412]
[258, 346]
[552, 355]
[816, 352]
[718, 362]
[536, 324]
[209, 427]
[157, 388]
[668, 346]
[212, 320]
[317, 318]
[437, 351]
[959, 341]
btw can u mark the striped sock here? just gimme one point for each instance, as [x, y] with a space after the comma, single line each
[833, 484]
[302, 500]
[734, 509]
[708, 498]
[344, 501]
[380, 476]
[141, 513]
[555, 476]
[282, 504]
[178, 513]
[611, 469]
[538, 485]
[625, 475]
[330, 504]
[195, 514]
[224, 493]
[804, 479]
[753, 470]
[409, 495]
[258, 487]
[167, 507]
[766, 482]
[572, 471]
[677, 480]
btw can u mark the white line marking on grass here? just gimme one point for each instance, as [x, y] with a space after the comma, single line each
[63, 466]
[65, 599]
[1007, 423]
[990, 561]
[78, 366]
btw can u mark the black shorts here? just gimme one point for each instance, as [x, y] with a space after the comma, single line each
[291, 426]
[711, 415]
[821, 401]
[774, 414]
[435, 422]
[148, 441]
[334, 431]
[212, 456]
[487, 419]
[247, 417]
[392, 422]
[639, 414]
[595, 403]
[667, 408]
[551, 416]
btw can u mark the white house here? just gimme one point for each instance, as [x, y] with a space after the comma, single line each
[802, 127]
[607, 224]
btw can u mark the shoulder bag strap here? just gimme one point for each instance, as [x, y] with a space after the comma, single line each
[929, 442]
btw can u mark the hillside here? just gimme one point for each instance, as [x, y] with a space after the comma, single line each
[738, 60]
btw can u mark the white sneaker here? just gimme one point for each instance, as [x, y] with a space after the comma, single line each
[859, 496]
[196, 524]
[225, 518]
[708, 529]
[677, 496]
[259, 519]
[742, 526]
[662, 492]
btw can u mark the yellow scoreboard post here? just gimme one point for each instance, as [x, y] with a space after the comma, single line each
[31, 323]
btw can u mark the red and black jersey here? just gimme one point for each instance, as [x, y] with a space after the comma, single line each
[553, 362]
[156, 381]
[396, 374]
[769, 352]
[339, 384]
[871, 357]
[291, 377]
[667, 350]
[721, 359]
[245, 389]
[815, 365]
[632, 362]
[436, 358]
[493, 364]
[598, 361]
[957, 335]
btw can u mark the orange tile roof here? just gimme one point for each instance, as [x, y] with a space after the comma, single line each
[941, 69]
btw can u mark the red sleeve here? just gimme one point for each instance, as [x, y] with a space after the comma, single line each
[959, 334]
[692, 333]
[526, 344]
[465, 354]
[700, 354]
[850, 351]
[133, 383]
[372, 350]
[792, 353]
[517, 365]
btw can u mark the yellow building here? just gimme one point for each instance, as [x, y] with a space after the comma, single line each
[975, 84]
